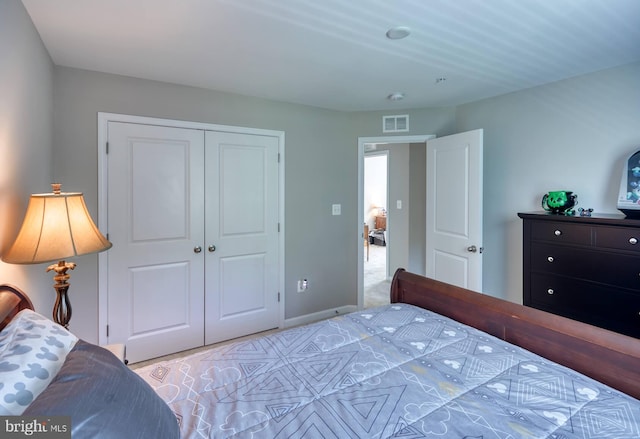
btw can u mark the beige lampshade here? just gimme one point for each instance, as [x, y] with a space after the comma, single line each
[56, 226]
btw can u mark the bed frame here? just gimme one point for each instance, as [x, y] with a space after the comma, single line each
[12, 301]
[606, 356]
[609, 357]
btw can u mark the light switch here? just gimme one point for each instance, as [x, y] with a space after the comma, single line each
[399, 204]
[336, 209]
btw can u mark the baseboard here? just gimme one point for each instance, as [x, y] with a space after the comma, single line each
[320, 315]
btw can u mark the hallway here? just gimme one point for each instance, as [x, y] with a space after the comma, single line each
[376, 287]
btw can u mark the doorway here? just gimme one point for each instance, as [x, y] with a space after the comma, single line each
[397, 207]
[376, 191]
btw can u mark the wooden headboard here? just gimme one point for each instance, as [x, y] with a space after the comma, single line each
[12, 301]
[609, 357]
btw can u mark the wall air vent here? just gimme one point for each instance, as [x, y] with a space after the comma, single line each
[395, 124]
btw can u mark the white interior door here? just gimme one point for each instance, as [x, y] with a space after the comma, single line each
[155, 220]
[241, 231]
[454, 209]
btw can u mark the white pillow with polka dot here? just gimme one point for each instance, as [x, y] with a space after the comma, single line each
[32, 350]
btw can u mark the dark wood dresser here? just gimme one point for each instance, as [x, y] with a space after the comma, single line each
[584, 268]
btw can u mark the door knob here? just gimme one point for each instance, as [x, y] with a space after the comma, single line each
[197, 249]
[472, 249]
[212, 248]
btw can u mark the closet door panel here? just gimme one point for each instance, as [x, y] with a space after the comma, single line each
[242, 195]
[155, 212]
[237, 288]
[241, 231]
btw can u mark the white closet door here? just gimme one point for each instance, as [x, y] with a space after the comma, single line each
[241, 232]
[155, 212]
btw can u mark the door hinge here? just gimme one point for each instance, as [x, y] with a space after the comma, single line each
[278, 296]
[107, 237]
[278, 227]
[278, 157]
[107, 330]
[107, 148]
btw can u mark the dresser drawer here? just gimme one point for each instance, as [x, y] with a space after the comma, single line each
[554, 293]
[590, 303]
[619, 238]
[561, 233]
[606, 267]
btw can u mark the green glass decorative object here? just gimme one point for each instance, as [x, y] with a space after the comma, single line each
[560, 202]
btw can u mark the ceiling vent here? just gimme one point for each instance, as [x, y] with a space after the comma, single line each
[395, 124]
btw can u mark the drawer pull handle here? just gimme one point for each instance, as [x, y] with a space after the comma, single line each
[550, 258]
[550, 291]
[633, 241]
[557, 233]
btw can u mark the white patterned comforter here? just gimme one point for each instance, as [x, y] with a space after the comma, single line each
[393, 371]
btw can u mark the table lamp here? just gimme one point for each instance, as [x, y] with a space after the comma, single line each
[57, 226]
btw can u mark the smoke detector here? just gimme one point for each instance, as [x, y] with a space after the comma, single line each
[397, 96]
[398, 32]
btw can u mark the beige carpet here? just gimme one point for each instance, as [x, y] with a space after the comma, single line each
[376, 286]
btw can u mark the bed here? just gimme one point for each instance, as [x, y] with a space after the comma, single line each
[439, 361]
[47, 372]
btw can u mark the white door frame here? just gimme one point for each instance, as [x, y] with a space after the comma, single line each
[103, 120]
[419, 138]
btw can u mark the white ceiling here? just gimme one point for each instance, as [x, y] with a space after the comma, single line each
[334, 53]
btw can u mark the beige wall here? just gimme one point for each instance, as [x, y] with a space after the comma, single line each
[417, 211]
[320, 170]
[26, 94]
[569, 135]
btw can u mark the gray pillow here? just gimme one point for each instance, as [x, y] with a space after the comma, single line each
[104, 399]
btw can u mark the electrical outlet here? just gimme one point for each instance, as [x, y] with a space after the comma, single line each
[303, 284]
[336, 209]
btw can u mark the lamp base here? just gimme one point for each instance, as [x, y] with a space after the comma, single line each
[62, 306]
